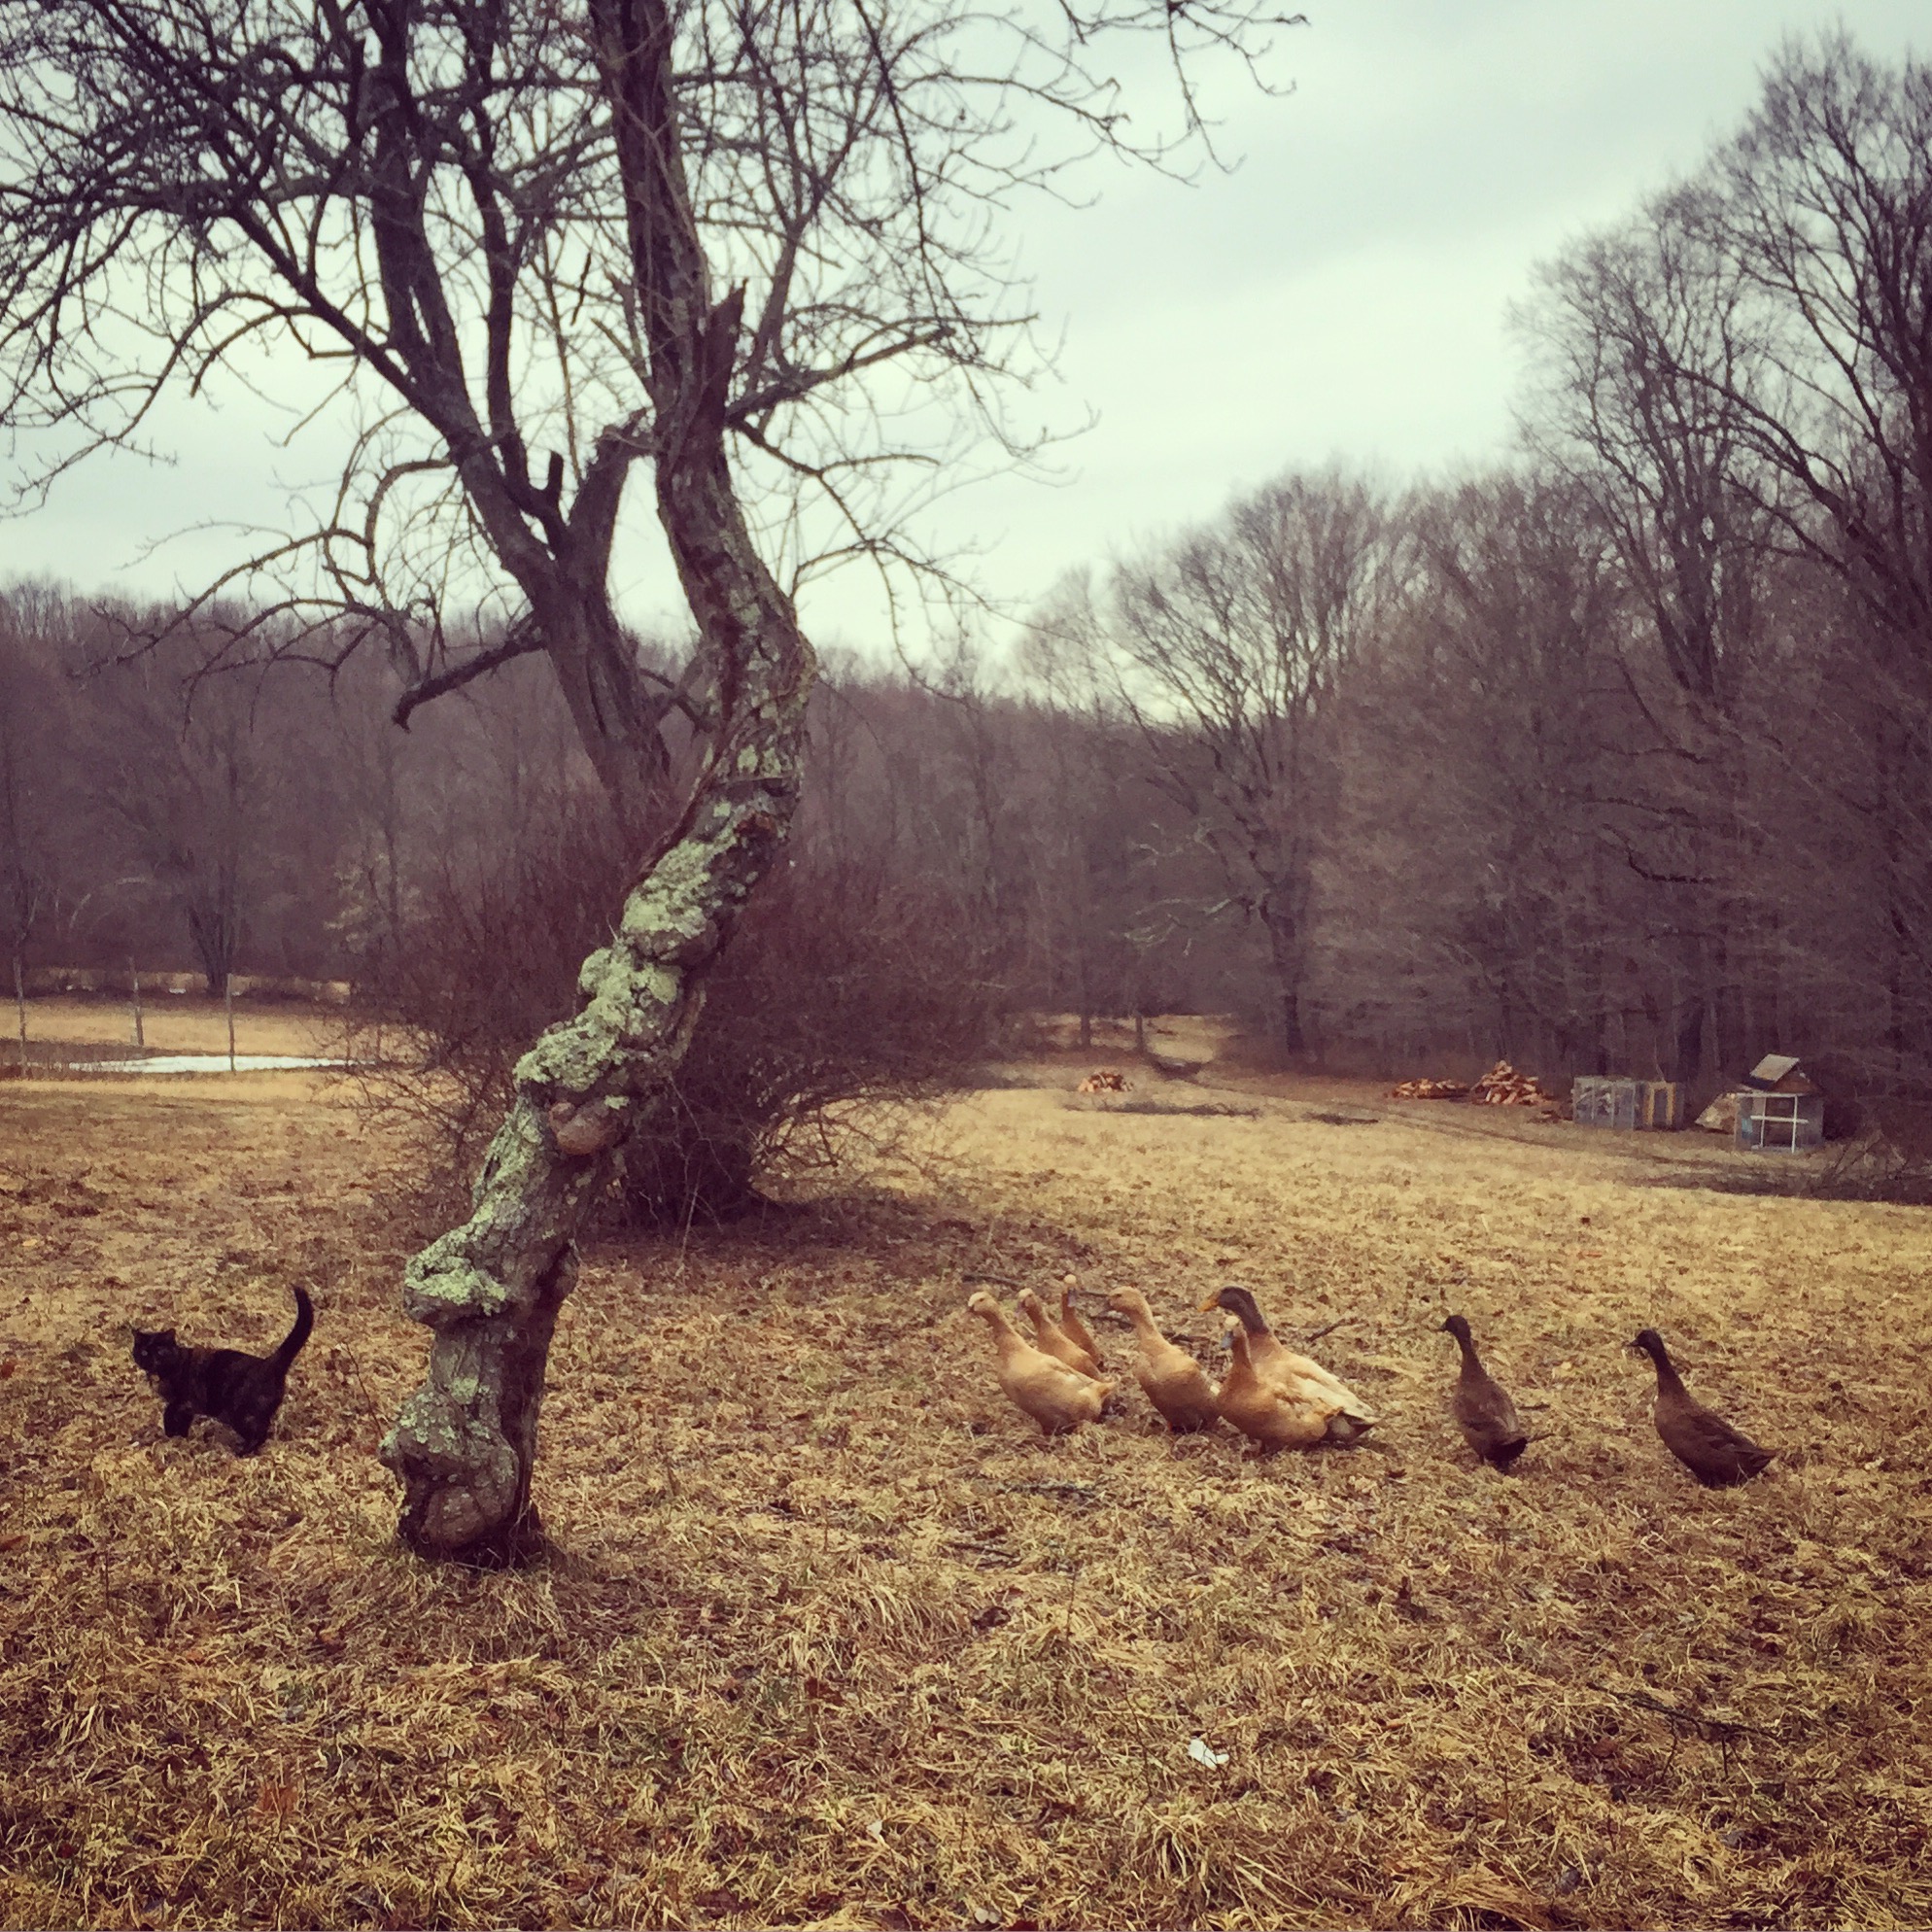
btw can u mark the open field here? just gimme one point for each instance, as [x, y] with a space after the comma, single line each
[176, 1023]
[836, 1638]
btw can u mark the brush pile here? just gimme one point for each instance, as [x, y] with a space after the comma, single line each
[1431, 1089]
[1104, 1079]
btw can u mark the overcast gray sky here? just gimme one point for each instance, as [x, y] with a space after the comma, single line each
[1342, 294]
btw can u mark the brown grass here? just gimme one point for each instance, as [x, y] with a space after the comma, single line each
[838, 1639]
[177, 1023]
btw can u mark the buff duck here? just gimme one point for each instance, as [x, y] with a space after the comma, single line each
[1702, 1440]
[1057, 1396]
[1174, 1382]
[1262, 1409]
[1484, 1412]
[1072, 1327]
[1303, 1379]
[1054, 1340]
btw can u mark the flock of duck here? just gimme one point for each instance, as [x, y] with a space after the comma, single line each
[1285, 1401]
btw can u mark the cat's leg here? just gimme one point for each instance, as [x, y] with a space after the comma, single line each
[255, 1416]
[176, 1417]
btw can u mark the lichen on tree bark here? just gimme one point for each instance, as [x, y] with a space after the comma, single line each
[464, 1444]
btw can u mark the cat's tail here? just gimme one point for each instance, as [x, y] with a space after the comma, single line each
[292, 1345]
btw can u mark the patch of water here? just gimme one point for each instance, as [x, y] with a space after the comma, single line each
[206, 1063]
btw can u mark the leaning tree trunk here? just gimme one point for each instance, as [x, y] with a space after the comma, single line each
[464, 1444]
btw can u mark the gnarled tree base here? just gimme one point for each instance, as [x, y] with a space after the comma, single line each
[464, 1444]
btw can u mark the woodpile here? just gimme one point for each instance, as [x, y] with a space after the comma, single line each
[1104, 1079]
[1501, 1086]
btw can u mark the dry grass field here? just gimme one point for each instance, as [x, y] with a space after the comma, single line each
[833, 1638]
[178, 1023]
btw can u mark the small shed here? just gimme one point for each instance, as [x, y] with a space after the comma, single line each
[1609, 1100]
[1779, 1109]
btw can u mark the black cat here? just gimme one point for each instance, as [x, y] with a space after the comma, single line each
[242, 1391]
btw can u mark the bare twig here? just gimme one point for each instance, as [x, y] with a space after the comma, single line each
[1720, 1726]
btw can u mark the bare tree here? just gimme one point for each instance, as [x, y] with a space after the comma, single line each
[1642, 344]
[1746, 368]
[1825, 204]
[1507, 699]
[723, 243]
[27, 810]
[188, 789]
[1645, 339]
[1822, 212]
[1226, 655]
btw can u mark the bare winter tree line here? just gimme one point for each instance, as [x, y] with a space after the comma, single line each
[1619, 761]
[152, 822]
[272, 820]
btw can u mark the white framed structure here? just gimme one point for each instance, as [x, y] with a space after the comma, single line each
[1780, 1123]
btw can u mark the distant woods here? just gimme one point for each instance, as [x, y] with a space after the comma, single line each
[1619, 759]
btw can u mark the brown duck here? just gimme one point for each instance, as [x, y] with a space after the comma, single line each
[1072, 1327]
[1704, 1444]
[1269, 1410]
[1484, 1412]
[1174, 1382]
[1303, 1380]
[1057, 1396]
[1054, 1339]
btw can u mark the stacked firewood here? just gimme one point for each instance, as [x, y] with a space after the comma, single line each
[1431, 1089]
[1104, 1079]
[1503, 1086]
